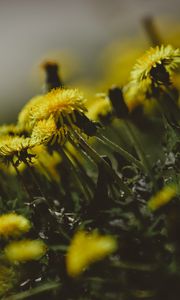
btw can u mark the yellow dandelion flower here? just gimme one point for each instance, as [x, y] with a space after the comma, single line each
[14, 146]
[25, 113]
[162, 197]
[25, 250]
[7, 278]
[87, 248]
[45, 132]
[12, 224]
[163, 56]
[60, 103]
[100, 108]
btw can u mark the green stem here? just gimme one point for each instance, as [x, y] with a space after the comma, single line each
[168, 91]
[120, 150]
[85, 176]
[75, 174]
[35, 291]
[139, 149]
[99, 160]
[35, 180]
[21, 179]
[134, 266]
[4, 191]
[165, 111]
[81, 173]
[81, 150]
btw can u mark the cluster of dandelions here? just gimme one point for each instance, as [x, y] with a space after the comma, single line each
[84, 249]
[13, 226]
[154, 69]
[53, 118]
[45, 120]
[48, 122]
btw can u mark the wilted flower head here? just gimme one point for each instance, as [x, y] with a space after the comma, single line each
[163, 197]
[25, 250]
[12, 224]
[86, 248]
[156, 64]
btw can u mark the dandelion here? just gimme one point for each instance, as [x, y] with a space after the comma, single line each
[15, 146]
[99, 109]
[25, 113]
[87, 248]
[162, 197]
[60, 103]
[45, 132]
[9, 129]
[25, 250]
[154, 67]
[65, 106]
[12, 224]
[156, 64]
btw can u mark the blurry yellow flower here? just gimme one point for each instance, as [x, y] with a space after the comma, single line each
[100, 108]
[87, 248]
[24, 120]
[25, 250]
[9, 129]
[135, 94]
[162, 197]
[165, 56]
[9, 169]
[47, 163]
[12, 224]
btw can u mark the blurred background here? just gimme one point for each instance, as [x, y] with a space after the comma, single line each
[90, 39]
